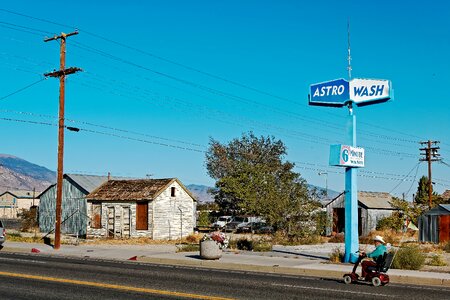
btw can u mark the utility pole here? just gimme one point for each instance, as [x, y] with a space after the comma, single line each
[62, 75]
[431, 155]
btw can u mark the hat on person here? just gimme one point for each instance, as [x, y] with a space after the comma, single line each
[378, 238]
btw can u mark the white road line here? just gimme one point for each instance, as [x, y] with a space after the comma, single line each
[333, 290]
[23, 260]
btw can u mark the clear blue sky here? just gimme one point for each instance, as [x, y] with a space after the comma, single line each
[158, 108]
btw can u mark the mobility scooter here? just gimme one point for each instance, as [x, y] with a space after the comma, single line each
[376, 275]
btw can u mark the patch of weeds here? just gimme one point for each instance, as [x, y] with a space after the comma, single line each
[337, 238]
[262, 246]
[337, 255]
[408, 258]
[437, 261]
[188, 248]
[446, 247]
[245, 244]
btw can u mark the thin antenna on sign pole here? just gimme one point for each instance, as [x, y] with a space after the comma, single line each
[349, 59]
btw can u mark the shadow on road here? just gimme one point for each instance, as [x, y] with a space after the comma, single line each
[302, 254]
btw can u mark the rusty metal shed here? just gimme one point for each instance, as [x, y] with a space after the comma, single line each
[434, 224]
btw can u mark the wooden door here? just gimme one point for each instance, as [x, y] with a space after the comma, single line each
[110, 224]
[142, 216]
[444, 229]
[126, 220]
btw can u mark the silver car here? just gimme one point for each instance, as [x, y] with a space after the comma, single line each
[2, 233]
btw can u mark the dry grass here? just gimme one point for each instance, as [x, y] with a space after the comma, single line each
[191, 239]
[390, 236]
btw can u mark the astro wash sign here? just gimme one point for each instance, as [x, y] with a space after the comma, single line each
[346, 156]
[360, 91]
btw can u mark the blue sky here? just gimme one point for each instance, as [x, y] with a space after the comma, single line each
[162, 77]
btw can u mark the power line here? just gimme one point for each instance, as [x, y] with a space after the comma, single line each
[184, 66]
[22, 89]
[415, 166]
[212, 90]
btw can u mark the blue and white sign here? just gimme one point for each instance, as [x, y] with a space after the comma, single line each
[330, 93]
[368, 91]
[346, 156]
[359, 91]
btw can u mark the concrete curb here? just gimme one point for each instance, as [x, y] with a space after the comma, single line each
[275, 269]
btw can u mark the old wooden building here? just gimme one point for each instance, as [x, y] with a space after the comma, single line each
[155, 208]
[372, 206]
[74, 213]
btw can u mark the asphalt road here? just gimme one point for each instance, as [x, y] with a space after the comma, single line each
[39, 277]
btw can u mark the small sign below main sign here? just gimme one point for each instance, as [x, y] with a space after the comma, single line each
[346, 156]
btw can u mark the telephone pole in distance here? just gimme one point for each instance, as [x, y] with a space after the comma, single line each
[61, 73]
[430, 154]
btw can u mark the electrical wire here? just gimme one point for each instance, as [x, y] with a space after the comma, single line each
[184, 66]
[401, 181]
[413, 181]
[22, 89]
[101, 52]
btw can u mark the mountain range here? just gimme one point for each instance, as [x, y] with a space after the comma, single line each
[19, 174]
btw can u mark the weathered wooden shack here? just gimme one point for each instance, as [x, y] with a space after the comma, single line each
[434, 224]
[372, 206]
[154, 208]
[74, 213]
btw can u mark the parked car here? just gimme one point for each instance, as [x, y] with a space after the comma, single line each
[241, 221]
[237, 221]
[249, 227]
[2, 233]
[222, 221]
[256, 227]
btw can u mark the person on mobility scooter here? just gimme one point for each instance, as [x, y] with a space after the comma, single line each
[372, 270]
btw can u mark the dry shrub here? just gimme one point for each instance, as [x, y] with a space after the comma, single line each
[408, 258]
[446, 247]
[129, 241]
[194, 238]
[437, 261]
[337, 255]
[390, 236]
[337, 238]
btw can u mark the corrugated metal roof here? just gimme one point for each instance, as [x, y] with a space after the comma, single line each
[129, 190]
[377, 200]
[88, 182]
[446, 206]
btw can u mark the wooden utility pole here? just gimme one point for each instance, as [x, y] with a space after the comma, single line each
[431, 155]
[61, 73]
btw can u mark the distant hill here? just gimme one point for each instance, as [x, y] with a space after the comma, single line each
[330, 194]
[19, 174]
[201, 193]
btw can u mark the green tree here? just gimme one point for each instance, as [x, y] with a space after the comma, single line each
[422, 196]
[252, 178]
[411, 211]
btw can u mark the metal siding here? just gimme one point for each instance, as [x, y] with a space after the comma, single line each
[74, 210]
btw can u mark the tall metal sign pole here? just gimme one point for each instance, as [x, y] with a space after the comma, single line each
[339, 93]
[351, 184]
[62, 75]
